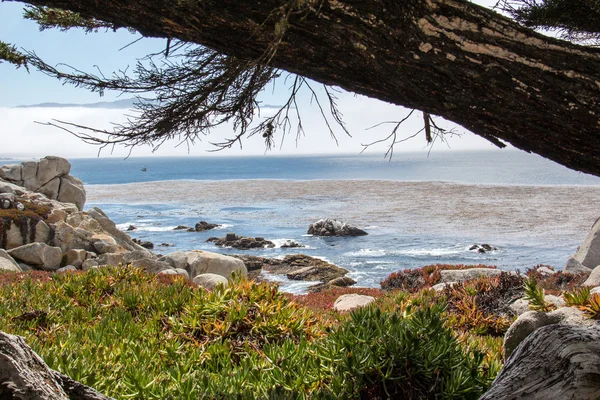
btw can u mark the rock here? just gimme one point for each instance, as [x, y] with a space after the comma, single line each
[122, 239]
[145, 244]
[51, 167]
[66, 268]
[347, 302]
[104, 243]
[554, 362]
[182, 272]
[11, 172]
[72, 191]
[67, 237]
[38, 254]
[42, 232]
[545, 271]
[305, 268]
[255, 263]
[332, 227]
[135, 255]
[50, 189]
[89, 264]
[594, 278]
[8, 187]
[288, 244]
[75, 257]
[113, 259]
[441, 286]
[532, 320]
[24, 375]
[151, 265]
[131, 228]
[588, 253]
[5, 203]
[342, 281]
[519, 306]
[210, 281]
[557, 301]
[25, 268]
[198, 262]
[182, 227]
[574, 267]
[460, 275]
[482, 248]
[242, 243]
[595, 290]
[6, 258]
[6, 265]
[205, 226]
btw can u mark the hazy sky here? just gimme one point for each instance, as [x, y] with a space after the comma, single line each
[20, 135]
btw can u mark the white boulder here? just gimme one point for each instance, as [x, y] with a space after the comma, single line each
[347, 302]
[210, 281]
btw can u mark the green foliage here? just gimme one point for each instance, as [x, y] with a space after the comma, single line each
[413, 280]
[577, 297]
[133, 335]
[535, 295]
[409, 355]
[9, 53]
[49, 18]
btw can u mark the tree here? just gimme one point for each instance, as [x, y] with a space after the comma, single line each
[449, 58]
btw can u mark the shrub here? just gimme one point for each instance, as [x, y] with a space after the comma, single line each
[556, 283]
[413, 280]
[535, 295]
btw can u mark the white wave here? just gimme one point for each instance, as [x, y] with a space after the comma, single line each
[440, 252]
[371, 227]
[367, 253]
[223, 226]
[308, 235]
[287, 285]
[280, 242]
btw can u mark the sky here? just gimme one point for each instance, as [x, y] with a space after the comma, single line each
[22, 133]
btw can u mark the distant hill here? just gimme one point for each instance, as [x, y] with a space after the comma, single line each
[124, 104]
[117, 104]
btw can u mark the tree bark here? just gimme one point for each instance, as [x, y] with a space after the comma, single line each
[25, 376]
[554, 362]
[449, 58]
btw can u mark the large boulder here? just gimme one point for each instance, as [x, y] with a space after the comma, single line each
[198, 262]
[594, 278]
[241, 242]
[71, 191]
[332, 227]
[11, 172]
[39, 255]
[7, 263]
[460, 275]
[574, 267]
[51, 167]
[588, 253]
[532, 320]
[347, 302]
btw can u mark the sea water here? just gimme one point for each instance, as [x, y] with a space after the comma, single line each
[393, 243]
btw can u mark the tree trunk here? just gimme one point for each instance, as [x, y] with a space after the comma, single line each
[25, 376]
[554, 362]
[449, 58]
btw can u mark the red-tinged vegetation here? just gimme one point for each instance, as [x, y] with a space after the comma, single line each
[556, 283]
[9, 278]
[323, 301]
[413, 280]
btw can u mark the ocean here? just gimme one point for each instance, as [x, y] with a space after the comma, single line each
[417, 209]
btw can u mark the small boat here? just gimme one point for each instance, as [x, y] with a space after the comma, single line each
[144, 169]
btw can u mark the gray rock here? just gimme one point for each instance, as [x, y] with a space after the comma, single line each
[50, 189]
[8, 187]
[342, 281]
[532, 320]
[177, 271]
[42, 232]
[574, 267]
[113, 259]
[332, 227]
[11, 172]
[135, 255]
[51, 167]
[177, 259]
[595, 290]
[72, 191]
[588, 253]
[519, 307]
[151, 265]
[110, 228]
[182, 272]
[6, 265]
[210, 281]
[104, 243]
[89, 264]
[460, 275]
[6, 257]
[38, 254]
[66, 237]
[545, 271]
[25, 268]
[28, 170]
[594, 278]
[66, 268]
[347, 302]
[199, 262]
[75, 257]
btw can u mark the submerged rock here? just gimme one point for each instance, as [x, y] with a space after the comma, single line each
[482, 248]
[332, 227]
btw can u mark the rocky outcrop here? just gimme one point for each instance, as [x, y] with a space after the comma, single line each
[39, 255]
[554, 362]
[50, 177]
[532, 320]
[574, 267]
[241, 242]
[332, 227]
[198, 262]
[24, 375]
[588, 253]
[205, 226]
[290, 244]
[348, 302]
